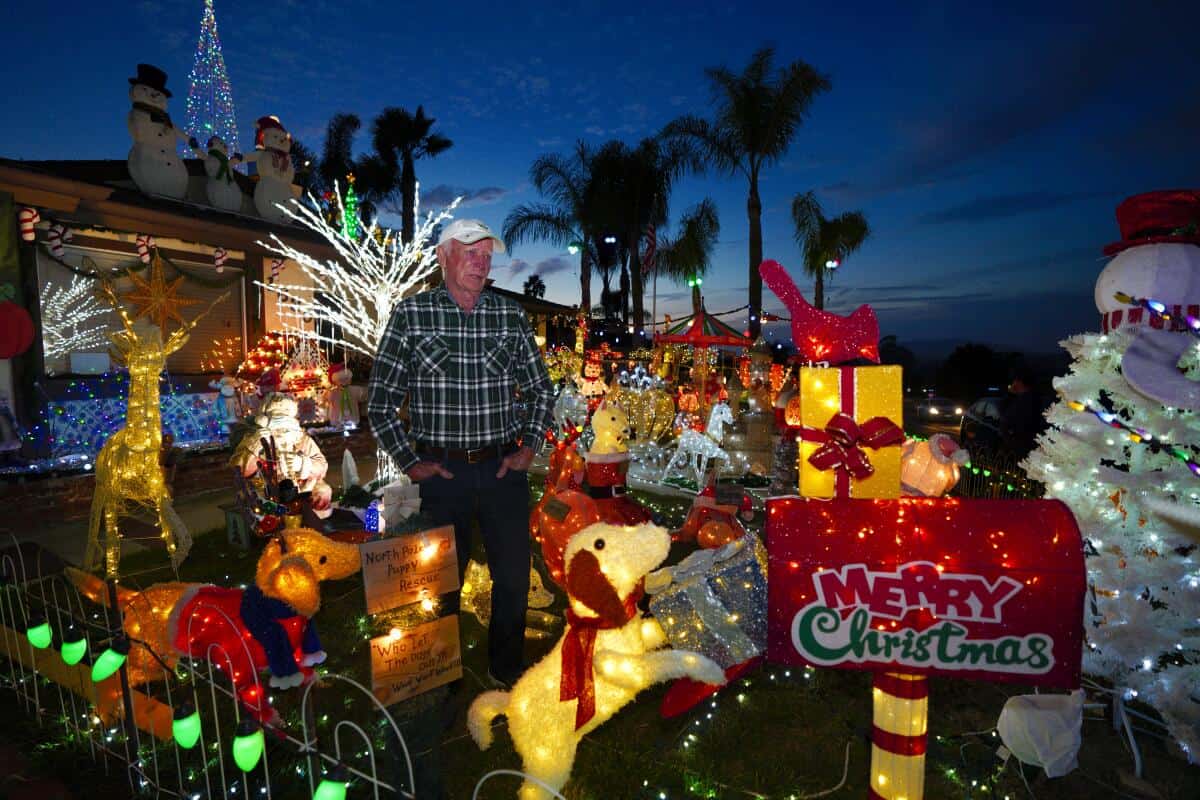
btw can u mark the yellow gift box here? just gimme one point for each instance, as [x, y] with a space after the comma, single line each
[852, 422]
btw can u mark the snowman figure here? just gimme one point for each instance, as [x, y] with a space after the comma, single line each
[343, 403]
[228, 387]
[223, 191]
[273, 161]
[153, 163]
[1156, 259]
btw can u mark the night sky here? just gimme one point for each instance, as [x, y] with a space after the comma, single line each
[988, 150]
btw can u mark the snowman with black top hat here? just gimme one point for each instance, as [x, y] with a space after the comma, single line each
[153, 163]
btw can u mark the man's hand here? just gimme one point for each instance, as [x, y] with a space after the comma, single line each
[427, 469]
[518, 461]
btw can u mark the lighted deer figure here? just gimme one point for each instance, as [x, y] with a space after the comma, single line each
[696, 449]
[128, 470]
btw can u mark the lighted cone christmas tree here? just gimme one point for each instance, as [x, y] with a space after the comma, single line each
[210, 109]
[1121, 451]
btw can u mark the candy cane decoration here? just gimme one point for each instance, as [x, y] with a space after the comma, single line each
[901, 705]
[28, 218]
[219, 258]
[57, 236]
[144, 243]
[276, 268]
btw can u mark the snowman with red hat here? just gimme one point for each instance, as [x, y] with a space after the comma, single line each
[273, 163]
[153, 163]
[1123, 451]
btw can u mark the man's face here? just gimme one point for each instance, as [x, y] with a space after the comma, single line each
[467, 265]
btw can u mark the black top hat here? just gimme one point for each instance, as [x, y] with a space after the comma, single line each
[152, 76]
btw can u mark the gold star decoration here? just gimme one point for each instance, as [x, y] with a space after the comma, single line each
[155, 298]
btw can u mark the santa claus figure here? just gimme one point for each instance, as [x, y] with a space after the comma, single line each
[289, 453]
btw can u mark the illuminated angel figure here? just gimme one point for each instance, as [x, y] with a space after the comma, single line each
[128, 469]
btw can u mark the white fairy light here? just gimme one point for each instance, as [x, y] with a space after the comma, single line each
[69, 318]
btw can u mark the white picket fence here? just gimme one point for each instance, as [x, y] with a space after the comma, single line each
[158, 768]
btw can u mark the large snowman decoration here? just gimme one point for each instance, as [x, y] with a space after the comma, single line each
[222, 189]
[1158, 258]
[273, 161]
[153, 164]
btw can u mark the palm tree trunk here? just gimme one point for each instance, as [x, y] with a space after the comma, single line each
[625, 291]
[819, 288]
[408, 186]
[754, 212]
[585, 280]
[696, 300]
[635, 277]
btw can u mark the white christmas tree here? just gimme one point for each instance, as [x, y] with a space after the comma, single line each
[1126, 465]
[73, 319]
[354, 293]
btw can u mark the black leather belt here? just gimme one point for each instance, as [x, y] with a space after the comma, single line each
[603, 492]
[470, 456]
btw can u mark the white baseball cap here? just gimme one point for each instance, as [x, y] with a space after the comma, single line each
[469, 231]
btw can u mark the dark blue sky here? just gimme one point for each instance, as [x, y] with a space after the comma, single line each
[988, 149]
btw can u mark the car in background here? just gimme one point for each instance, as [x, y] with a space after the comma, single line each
[939, 409]
[981, 429]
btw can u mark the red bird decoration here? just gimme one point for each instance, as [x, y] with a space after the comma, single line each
[817, 334]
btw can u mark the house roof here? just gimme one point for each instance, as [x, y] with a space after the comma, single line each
[101, 192]
[534, 305]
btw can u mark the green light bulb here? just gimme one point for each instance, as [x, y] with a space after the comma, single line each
[111, 659]
[38, 633]
[332, 786]
[248, 744]
[186, 726]
[74, 646]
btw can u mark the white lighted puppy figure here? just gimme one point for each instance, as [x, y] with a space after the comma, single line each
[607, 654]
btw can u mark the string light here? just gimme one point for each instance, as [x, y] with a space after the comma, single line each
[210, 110]
[333, 786]
[74, 645]
[185, 725]
[1138, 435]
[111, 659]
[1158, 310]
[38, 631]
[70, 317]
[248, 744]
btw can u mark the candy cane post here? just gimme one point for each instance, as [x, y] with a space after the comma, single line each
[56, 236]
[913, 587]
[276, 268]
[144, 244]
[220, 256]
[28, 218]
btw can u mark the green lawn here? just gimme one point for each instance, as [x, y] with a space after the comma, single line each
[777, 733]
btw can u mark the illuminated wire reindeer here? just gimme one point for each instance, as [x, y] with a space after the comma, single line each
[128, 469]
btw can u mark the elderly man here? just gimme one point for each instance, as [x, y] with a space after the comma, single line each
[460, 354]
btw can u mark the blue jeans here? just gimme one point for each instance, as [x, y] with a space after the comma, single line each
[501, 506]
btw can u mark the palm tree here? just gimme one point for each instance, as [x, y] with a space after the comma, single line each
[758, 112]
[535, 286]
[825, 242]
[686, 256]
[563, 221]
[400, 138]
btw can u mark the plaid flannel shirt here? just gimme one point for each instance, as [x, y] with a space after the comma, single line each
[460, 374]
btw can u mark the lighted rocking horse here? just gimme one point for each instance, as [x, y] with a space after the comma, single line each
[696, 449]
[128, 469]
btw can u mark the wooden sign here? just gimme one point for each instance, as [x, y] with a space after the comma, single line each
[416, 661]
[407, 569]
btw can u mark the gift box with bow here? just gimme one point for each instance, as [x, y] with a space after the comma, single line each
[851, 431]
[716, 601]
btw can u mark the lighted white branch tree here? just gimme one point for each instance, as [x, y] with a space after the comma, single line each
[355, 292]
[73, 319]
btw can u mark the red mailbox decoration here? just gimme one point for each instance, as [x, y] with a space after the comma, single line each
[984, 589]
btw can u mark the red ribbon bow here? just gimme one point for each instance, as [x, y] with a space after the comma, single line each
[578, 681]
[843, 440]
